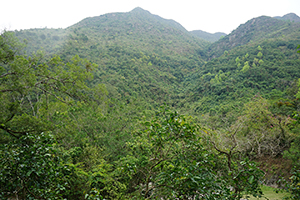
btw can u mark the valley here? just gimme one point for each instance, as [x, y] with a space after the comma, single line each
[134, 106]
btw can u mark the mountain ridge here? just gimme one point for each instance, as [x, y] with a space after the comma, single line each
[292, 17]
[254, 30]
[137, 23]
[211, 37]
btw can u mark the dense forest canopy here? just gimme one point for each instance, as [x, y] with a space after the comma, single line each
[133, 106]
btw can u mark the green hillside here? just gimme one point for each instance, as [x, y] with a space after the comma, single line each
[133, 106]
[138, 54]
[253, 31]
[267, 68]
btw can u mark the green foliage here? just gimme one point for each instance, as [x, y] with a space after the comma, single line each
[31, 169]
[168, 160]
[276, 70]
[291, 186]
[293, 153]
[294, 187]
[246, 67]
[242, 175]
[260, 55]
[259, 48]
[39, 94]
[30, 85]
[261, 132]
[93, 195]
[143, 61]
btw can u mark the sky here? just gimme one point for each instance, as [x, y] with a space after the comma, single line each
[206, 15]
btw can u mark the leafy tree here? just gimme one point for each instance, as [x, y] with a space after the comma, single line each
[168, 160]
[30, 85]
[259, 54]
[237, 62]
[261, 132]
[246, 67]
[242, 175]
[31, 169]
[259, 48]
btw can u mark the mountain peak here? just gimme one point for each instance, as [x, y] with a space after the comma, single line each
[289, 17]
[139, 10]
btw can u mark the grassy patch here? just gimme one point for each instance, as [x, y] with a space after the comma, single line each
[269, 193]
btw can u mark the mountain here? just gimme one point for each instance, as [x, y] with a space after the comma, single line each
[139, 55]
[292, 17]
[137, 29]
[259, 57]
[211, 37]
[143, 56]
[253, 31]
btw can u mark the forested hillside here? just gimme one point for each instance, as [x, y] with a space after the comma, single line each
[138, 54]
[253, 31]
[133, 106]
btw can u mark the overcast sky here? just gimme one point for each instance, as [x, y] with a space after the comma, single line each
[207, 15]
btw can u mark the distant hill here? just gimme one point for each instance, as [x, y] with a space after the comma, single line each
[254, 30]
[211, 37]
[140, 55]
[292, 17]
[137, 29]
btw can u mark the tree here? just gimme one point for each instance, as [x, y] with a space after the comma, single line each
[237, 62]
[262, 133]
[259, 48]
[38, 95]
[31, 169]
[238, 172]
[167, 159]
[31, 85]
[171, 159]
[246, 67]
[259, 54]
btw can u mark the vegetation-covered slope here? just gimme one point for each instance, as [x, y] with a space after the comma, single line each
[137, 53]
[95, 123]
[267, 68]
[253, 31]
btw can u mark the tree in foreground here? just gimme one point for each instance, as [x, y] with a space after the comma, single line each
[170, 158]
[32, 92]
